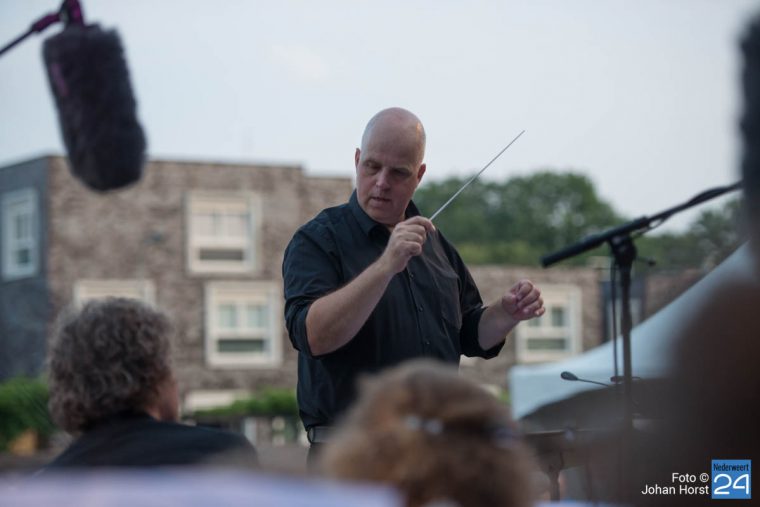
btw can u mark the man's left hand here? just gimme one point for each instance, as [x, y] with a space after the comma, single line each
[523, 301]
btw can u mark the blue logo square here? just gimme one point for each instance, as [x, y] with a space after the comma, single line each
[731, 479]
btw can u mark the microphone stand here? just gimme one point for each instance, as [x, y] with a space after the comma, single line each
[624, 252]
[70, 12]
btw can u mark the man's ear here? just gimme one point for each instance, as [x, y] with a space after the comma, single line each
[357, 156]
[421, 172]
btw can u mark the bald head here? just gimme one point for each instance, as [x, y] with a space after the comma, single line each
[396, 125]
[389, 164]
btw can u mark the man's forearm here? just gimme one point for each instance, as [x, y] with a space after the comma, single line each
[333, 320]
[495, 324]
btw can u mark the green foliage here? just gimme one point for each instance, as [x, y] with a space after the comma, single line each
[518, 220]
[518, 251]
[719, 232]
[712, 237]
[23, 406]
[269, 402]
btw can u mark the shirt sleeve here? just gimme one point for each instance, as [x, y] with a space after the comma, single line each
[472, 308]
[309, 271]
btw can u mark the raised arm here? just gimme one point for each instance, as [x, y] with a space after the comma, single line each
[334, 319]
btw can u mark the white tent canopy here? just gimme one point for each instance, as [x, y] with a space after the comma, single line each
[533, 386]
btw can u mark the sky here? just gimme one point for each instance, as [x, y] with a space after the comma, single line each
[642, 96]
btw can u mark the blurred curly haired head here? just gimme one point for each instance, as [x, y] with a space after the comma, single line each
[110, 357]
[435, 436]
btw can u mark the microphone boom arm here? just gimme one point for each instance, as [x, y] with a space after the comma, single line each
[70, 12]
[640, 224]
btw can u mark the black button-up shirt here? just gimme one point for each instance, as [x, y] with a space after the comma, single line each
[431, 309]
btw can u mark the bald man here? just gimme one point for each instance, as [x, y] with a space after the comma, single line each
[371, 283]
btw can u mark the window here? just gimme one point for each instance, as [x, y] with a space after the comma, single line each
[86, 290]
[556, 334]
[243, 324]
[221, 232]
[20, 234]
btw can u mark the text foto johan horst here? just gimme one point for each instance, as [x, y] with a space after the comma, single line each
[681, 489]
[686, 485]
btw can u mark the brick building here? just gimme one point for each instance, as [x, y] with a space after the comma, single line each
[204, 242]
[572, 322]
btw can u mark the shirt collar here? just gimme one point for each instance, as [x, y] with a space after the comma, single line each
[119, 417]
[366, 223]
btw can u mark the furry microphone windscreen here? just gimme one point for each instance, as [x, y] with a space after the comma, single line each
[750, 122]
[89, 79]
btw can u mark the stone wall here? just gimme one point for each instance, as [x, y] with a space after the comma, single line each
[140, 233]
[493, 281]
[665, 286]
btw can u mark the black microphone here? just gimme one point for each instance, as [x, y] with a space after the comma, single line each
[566, 375]
[90, 82]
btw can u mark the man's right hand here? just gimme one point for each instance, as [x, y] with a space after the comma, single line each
[405, 242]
[334, 319]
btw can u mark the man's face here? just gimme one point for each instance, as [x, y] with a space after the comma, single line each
[388, 170]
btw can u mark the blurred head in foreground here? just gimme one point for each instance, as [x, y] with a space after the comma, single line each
[750, 132]
[109, 358]
[715, 376]
[111, 383]
[436, 437]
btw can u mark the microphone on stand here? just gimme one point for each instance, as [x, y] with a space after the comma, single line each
[567, 375]
[617, 379]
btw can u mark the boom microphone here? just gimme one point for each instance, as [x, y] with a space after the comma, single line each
[89, 80]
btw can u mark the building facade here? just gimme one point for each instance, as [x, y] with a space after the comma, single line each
[204, 242]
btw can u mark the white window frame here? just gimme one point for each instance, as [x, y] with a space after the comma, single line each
[15, 204]
[248, 243]
[140, 289]
[567, 297]
[241, 293]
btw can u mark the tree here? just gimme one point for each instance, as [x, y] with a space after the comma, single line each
[712, 237]
[520, 219]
